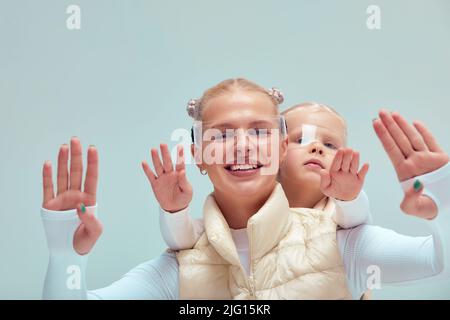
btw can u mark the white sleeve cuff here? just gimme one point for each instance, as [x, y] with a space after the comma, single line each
[350, 214]
[169, 216]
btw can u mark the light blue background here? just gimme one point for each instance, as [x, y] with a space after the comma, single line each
[122, 82]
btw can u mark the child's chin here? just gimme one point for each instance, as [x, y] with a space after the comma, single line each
[311, 176]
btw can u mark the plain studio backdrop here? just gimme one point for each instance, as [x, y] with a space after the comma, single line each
[122, 81]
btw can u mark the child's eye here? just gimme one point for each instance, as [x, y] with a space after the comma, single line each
[299, 140]
[330, 145]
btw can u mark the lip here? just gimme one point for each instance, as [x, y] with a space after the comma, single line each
[314, 164]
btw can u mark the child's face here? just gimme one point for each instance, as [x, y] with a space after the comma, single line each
[314, 138]
[243, 113]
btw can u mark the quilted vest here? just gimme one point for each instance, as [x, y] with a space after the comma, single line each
[293, 255]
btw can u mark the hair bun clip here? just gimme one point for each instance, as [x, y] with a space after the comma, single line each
[276, 94]
[191, 107]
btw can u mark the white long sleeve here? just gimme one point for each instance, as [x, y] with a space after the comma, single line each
[400, 259]
[66, 272]
[180, 231]
[65, 277]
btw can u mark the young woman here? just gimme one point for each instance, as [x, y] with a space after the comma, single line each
[282, 264]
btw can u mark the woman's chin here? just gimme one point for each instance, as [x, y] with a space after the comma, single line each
[248, 187]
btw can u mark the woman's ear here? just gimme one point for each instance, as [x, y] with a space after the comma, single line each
[197, 157]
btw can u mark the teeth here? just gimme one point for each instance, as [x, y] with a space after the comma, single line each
[237, 167]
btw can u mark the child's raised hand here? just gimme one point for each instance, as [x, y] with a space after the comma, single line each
[170, 186]
[343, 181]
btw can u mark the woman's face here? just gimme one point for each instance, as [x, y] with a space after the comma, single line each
[242, 137]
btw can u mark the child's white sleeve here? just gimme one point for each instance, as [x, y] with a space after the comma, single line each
[179, 230]
[350, 214]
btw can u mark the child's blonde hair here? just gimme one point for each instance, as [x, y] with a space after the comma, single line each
[314, 106]
[195, 107]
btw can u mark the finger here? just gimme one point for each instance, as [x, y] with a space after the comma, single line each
[47, 182]
[180, 158]
[157, 162]
[325, 179]
[182, 181]
[76, 164]
[415, 139]
[90, 183]
[354, 165]
[63, 174]
[427, 136]
[89, 231]
[363, 172]
[337, 161]
[148, 172]
[396, 133]
[388, 143]
[88, 218]
[167, 160]
[346, 160]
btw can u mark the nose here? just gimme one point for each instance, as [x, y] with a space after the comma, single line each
[241, 142]
[316, 148]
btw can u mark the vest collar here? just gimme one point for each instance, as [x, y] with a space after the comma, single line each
[265, 228]
[324, 206]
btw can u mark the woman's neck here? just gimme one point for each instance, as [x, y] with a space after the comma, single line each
[301, 196]
[237, 209]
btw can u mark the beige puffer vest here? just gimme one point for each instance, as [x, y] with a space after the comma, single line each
[293, 255]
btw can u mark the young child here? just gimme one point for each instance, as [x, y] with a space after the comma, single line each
[319, 163]
[316, 170]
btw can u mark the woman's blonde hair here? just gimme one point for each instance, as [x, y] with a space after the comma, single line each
[195, 107]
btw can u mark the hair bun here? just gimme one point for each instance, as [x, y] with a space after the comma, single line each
[192, 107]
[277, 95]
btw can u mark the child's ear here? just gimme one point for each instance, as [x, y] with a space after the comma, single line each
[198, 163]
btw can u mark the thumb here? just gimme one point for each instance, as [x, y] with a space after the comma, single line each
[417, 204]
[89, 230]
[325, 179]
[363, 172]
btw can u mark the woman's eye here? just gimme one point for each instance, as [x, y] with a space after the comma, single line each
[219, 136]
[258, 132]
[299, 140]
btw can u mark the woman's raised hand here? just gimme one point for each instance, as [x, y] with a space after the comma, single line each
[413, 151]
[69, 195]
[170, 185]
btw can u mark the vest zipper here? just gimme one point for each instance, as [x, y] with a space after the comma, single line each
[251, 279]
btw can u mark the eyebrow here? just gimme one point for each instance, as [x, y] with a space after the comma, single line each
[251, 124]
